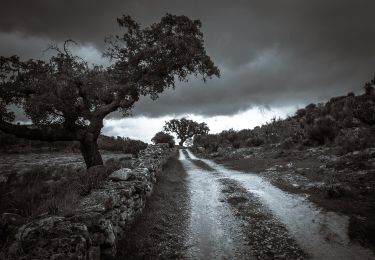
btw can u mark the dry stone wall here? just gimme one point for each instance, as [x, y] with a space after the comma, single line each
[94, 228]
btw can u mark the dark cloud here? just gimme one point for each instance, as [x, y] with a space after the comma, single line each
[271, 53]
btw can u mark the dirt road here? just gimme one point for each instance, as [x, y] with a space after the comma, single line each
[202, 210]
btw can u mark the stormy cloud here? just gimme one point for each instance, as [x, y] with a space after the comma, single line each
[271, 53]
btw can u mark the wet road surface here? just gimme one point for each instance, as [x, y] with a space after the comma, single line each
[321, 235]
[202, 210]
[213, 232]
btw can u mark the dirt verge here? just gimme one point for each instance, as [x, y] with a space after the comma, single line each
[343, 186]
[159, 232]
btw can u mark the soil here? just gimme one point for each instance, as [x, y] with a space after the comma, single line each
[260, 234]
[164, 229]
[268, 238]
[159, 232]
[348, 189]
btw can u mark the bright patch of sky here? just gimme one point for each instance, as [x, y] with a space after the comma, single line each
[144, 128]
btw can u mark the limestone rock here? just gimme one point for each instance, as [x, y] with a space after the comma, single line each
[52, 238]
[101, 201]
[100, 218]
[121, 175]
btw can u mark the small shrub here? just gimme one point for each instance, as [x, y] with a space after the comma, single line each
[323, 130]
[301, 112]
[256, 141]
[356, 139]
[366, 112]
[162, 137]
[287, 143]
[311, 106]
[209, 142]
[369, 88]
[121, 144]
[351, 94]
[236, 144]
[94, 177]
[133, 146]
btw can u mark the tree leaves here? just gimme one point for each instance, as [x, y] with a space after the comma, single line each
[67, 93]
[185, 128]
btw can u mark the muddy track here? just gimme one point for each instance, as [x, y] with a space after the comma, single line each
[264, 236]
[268, 238]
[202, 210]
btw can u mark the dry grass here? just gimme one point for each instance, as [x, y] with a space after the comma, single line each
[50, 190]
[157, 233]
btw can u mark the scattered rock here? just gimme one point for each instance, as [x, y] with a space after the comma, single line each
[338, 191]
[98, 221]
[120, 175]
[51, 238]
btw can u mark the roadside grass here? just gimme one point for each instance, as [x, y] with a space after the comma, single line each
[49, 189]
[158, 232]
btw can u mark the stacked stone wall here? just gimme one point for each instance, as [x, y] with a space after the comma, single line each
[100, 219]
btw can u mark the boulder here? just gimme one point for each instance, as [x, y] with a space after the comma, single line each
[51, 238]
[121, 175]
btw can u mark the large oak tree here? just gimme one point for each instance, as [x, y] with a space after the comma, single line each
[185, 128]
[66, 99]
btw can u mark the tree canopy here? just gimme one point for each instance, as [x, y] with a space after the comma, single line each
[67, 99]
[185, 128]
[163, 138]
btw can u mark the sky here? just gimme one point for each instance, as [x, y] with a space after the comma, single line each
[274, 56]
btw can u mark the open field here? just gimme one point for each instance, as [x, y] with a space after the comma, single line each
[22, 162]
[50, 183]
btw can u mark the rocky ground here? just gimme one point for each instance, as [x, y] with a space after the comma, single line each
[32, 183]
[202, 209]
[97, 218]
[343, 183]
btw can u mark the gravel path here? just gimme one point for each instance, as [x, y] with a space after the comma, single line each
[202, 210]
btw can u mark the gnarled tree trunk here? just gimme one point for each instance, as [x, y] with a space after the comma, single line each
[90, 150]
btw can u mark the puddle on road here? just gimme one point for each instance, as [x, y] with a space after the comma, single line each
[324, 235]
[213, 232]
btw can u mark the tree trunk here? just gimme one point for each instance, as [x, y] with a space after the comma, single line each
[182, 142]
[90, 151]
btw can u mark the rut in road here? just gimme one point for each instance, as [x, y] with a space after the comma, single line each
[323, 235]
[201, 210]
[213, 232]
[227, 222]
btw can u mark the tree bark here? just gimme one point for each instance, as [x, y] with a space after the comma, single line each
[182, 142]
[90, 150]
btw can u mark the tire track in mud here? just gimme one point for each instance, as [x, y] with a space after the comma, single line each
[267, 238]
[213, 231]
[323, 235]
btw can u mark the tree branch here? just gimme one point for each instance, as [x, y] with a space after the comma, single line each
[113, 106]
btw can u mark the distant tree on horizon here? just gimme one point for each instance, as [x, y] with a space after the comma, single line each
[163, 138]
[185, 128]
[67, 100]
